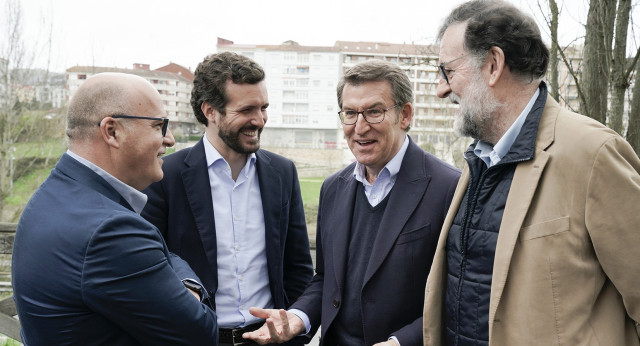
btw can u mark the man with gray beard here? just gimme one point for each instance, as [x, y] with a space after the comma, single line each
[540, 244]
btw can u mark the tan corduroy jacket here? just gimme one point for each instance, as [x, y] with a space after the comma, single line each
[567, 263]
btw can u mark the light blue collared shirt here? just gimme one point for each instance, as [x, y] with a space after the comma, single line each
[243, 279]
[386, 178]
[136, 199]
[375, 194]
[491, 155]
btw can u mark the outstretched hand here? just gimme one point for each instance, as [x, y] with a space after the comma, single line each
[279, 326]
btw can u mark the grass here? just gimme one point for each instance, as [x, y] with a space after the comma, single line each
[9, 342]
[310, 189]
[24, 187]
[35, 149]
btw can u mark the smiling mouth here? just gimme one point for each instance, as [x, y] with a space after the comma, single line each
[364, 142]
[250, 132]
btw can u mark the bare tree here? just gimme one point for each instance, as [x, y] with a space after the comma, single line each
[597, 58]
[633, 131]
[619, 75]
[13, 55]
[16, 72]
[553, 51]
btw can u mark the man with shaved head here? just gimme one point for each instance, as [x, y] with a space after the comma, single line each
[87, 268]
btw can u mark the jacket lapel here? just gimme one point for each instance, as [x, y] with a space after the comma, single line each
[340, 226]
[410, 186]
[195, 178]
[271, 195]
[523, 187]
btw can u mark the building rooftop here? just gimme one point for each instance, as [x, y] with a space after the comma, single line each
[177, 69]
[342, 46]
[137, 71]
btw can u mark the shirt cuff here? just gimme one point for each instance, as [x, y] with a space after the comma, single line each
[303, 317]
[394, 338]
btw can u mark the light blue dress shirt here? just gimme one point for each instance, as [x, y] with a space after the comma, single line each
[136, 199]
[243, 279]
[386, 178]
[491, 155]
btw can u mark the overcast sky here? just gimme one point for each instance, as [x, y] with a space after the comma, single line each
[122, 32]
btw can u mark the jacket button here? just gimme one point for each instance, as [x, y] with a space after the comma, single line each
[336, 303]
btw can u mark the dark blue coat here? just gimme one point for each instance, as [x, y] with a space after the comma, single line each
[180, 206]
[88, 270]
[394, 282]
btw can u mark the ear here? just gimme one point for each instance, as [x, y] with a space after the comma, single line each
[110, 132]
[496, 61]
[405, 116]
[209, 112]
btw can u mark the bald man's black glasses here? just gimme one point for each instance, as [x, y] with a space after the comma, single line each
[165, 121]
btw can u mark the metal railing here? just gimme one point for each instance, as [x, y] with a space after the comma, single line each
[9, 324]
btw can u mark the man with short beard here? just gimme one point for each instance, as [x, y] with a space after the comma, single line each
[540, 245]
[231, 210]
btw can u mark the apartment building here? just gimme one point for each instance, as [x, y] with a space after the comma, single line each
[302, 80]
[173, 82]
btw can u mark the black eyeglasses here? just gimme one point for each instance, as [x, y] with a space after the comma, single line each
[372, 116]
[165, 121]
[443, 72]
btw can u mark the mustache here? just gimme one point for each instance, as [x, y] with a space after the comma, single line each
[251, 128]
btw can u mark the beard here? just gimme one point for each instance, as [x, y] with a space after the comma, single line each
[232, 139]
[477, 106]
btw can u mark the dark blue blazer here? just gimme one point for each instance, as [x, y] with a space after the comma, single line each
[88, 270]
[180, 206]
[392, 294]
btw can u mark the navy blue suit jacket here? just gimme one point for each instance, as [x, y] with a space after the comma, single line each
[88, 270]
[180, 206]
[392, 294]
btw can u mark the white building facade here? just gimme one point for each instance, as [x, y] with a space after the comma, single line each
[302, 81]
[174, 90]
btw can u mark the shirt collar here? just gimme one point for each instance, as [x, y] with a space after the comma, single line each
[136, 199]
[213, 155]
[491, 155]
[392, 167]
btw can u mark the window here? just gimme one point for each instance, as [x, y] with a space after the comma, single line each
[82, 76]
[303, 137]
